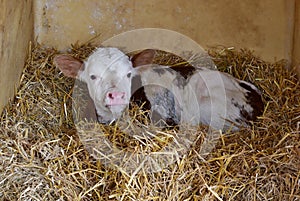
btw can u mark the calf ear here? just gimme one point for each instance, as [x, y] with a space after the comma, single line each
[143, 58]
[69, 65]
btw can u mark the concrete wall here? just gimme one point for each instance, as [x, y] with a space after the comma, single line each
[265, 26]
[296, 47]
[269, 27]
[16, 30]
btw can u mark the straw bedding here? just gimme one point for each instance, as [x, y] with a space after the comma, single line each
[43, 158]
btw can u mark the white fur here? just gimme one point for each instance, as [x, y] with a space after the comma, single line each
[110, 66]
[206, 98]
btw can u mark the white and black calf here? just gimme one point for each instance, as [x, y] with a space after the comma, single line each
[174, 95]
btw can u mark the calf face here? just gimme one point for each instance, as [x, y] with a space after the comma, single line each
[107, 73]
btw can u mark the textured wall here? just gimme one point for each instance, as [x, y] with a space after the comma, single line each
[264, 26]
[270, 27]
[296, 49]
[16, 30]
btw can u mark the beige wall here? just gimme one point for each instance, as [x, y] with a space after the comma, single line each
[16, 30]
[264, 26]
[296, 50]
[269, 27]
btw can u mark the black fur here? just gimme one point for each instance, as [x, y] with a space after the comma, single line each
[138, 95]
[254, 99]
[140, 99]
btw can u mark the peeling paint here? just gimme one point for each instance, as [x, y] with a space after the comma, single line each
[97, 14]
[92, 30]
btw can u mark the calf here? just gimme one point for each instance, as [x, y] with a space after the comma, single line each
[175, 96]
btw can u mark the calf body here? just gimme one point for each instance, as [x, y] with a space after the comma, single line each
[199, 96]
[207, 96]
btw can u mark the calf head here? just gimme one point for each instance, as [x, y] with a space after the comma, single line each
[107, 73]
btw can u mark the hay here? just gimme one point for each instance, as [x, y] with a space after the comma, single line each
[42, 157]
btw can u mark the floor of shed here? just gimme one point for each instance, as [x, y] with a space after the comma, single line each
[42, 157]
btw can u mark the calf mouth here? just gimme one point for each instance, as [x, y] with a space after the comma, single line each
[101, 120]
[116, 110]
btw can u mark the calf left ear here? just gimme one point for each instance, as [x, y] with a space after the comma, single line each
[145, 57]
[68, 65]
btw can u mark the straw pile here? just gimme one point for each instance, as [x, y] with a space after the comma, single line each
[43, 158]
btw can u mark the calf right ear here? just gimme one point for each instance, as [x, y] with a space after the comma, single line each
[68, 65]
[145, 57]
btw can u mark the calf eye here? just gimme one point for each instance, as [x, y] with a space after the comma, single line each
[129, 74]
[93, 77]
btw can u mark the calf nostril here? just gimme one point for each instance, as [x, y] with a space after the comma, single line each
[110, 95]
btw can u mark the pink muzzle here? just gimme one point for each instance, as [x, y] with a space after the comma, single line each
[116, 98]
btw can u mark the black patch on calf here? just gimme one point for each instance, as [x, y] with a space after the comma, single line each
[183, 75]
[254, 99]
[139, 97]
[165, 103]
[246, 86]
[243, 112]
[184, 71]
[160, 70]
[180, 81]
[165, 99]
